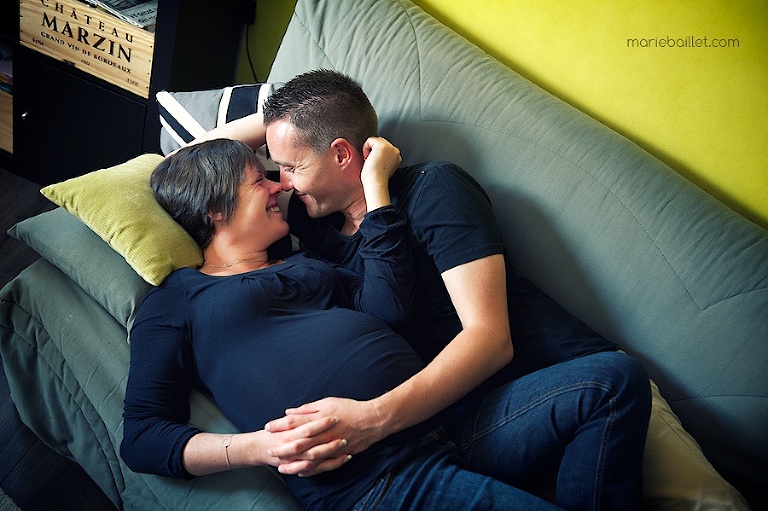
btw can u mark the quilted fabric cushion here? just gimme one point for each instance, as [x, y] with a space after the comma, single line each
[69, 245]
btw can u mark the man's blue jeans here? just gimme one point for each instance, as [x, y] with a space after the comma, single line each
[433, 479]
[582, 423]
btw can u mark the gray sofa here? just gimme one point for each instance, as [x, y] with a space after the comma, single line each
[623, 242]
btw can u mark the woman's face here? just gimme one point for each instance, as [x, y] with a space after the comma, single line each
[257, 212]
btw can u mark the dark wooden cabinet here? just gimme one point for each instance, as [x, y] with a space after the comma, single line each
[65, 125]
[68, 122]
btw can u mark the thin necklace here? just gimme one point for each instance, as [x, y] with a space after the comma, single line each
[231, 264]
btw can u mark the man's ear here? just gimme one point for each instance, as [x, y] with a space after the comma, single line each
[344, 152]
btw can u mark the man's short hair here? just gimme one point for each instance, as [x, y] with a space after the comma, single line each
[324, 105]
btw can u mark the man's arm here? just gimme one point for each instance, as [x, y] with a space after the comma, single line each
[249, 129]
[484, 346]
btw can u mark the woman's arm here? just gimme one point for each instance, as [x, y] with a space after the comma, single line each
[381, 161]
[385, 289]
[156, 408]
[157, 437]
[209, 453]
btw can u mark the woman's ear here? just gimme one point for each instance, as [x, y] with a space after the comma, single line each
[216, 217]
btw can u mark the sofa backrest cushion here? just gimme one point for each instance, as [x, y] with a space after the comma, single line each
[619, 239]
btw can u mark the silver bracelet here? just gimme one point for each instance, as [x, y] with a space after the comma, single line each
[226, 443]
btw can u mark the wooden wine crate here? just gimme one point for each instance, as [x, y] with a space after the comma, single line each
[6, 122]
[90, 40]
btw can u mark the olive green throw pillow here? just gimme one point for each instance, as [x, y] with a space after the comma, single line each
[118, 205]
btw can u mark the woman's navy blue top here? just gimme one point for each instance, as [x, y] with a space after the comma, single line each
[263, 341]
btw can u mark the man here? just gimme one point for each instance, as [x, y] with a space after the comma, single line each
[315, 127]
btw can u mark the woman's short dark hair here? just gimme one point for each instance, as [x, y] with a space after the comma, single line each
[200, 180]
[324, 105]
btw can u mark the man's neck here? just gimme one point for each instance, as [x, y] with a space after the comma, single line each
[353, 216]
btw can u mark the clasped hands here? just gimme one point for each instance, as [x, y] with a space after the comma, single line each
[322, 436]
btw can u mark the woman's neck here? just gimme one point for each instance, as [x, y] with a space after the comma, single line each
[232, 262]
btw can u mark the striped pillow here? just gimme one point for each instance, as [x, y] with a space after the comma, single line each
[185, 116]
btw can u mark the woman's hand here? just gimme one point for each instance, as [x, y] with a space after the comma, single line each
[359, 426]
[381, 161]
[310, 443]
[207, 453]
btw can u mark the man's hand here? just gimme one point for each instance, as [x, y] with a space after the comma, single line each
[358, 427]
[309, 443]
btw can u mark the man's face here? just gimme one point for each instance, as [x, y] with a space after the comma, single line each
[313, 177]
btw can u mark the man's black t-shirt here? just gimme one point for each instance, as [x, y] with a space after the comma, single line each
[451, 223]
